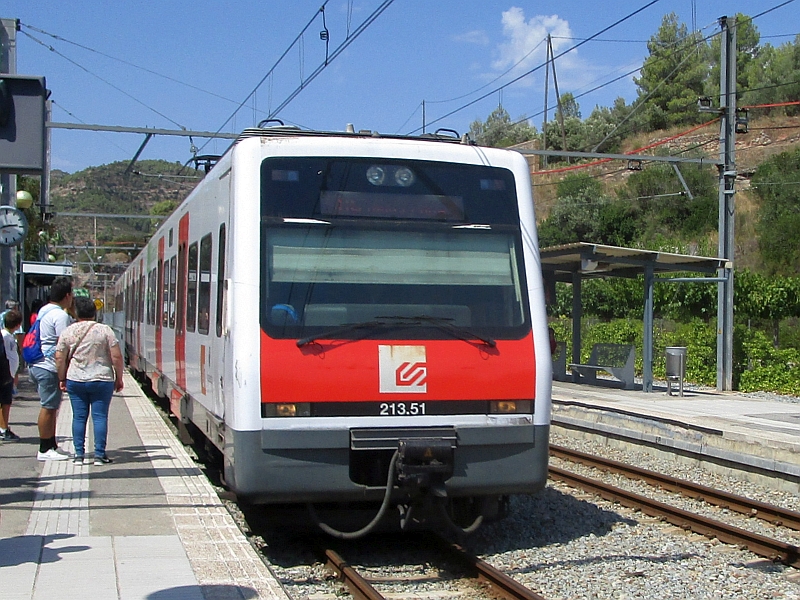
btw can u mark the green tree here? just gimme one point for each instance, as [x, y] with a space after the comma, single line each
[748, 49]
[499, 131]
[776, 184]
[773, 76]
[574, 132]
[39, 232]
[577, 213]
[672, 76]
[664, 205]
[768, 298]
[603, 125]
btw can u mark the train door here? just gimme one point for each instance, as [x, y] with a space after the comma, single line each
[160, 302]
[180, 320]
[218, 331]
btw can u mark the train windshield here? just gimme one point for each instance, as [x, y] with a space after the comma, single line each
[419, 249]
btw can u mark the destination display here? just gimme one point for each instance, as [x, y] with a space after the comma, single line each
[392, 206]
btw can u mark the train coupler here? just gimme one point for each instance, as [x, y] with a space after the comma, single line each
[425, 464]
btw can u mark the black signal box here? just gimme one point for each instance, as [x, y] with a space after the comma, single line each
[22, 124]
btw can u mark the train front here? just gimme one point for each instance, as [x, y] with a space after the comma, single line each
[404, 359]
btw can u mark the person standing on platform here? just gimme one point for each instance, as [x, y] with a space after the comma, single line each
[36, 306]
[90, 367]
[10, 362]
[53, 319]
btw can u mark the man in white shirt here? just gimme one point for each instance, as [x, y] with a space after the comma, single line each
[53, 319]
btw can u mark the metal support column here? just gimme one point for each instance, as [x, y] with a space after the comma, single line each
[8, 183]
[727, 178]
[577, 314]
[647, 338]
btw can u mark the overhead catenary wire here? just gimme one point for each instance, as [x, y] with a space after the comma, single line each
[119, 89]
[329, 58]
[697, 43]
[341, 48]
[269, 73]
[540, 66]
[126, 62]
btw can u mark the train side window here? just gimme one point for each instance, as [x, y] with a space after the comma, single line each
[191, 289]
[153, 305]
[181, 299]
[164, 268]
[221, 290]
[147, 296]
[173, 280]
[142, 294]
[134, 300]
[204, 289]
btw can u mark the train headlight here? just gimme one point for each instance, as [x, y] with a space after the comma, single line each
[404, 177]
[376, 175]
[510, 406]
[299, 409]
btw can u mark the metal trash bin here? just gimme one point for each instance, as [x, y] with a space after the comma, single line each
[676, 367]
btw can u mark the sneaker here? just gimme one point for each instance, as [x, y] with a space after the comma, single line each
[9, 436]
[78, 460]
[101, 460]
[51, 454]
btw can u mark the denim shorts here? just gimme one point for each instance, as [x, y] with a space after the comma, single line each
[47, 382]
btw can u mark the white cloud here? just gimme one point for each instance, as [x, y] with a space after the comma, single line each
[525, 45]
[476, 36]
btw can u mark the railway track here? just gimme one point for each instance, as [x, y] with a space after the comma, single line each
[495, 583]
[773, 549]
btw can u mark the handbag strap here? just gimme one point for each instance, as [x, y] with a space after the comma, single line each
[78, 343]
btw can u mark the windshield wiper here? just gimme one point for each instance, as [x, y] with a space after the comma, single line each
[341, 330]
[444, 324]
[441, 323]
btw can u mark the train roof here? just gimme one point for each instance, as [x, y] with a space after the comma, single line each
[288, 131]
[448, 136]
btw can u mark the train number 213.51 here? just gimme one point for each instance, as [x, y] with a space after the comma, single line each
[399, 409]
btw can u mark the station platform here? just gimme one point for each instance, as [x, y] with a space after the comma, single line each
[756, 437]
[150, 526]
[147, 526]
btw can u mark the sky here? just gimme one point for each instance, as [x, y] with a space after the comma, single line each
[227, 65]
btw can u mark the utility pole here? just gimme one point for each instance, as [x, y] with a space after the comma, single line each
[8, 183]
[546, 87]
[727, 179]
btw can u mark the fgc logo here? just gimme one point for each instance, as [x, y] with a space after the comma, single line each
[402, 369]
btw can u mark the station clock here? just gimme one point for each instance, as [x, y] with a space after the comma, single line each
[13, 226]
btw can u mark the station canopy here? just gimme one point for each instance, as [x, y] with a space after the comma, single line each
[597, 260]
[572, 263]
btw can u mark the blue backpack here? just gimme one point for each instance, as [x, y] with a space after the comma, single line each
[32, 342]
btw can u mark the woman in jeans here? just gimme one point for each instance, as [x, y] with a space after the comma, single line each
[89, 363]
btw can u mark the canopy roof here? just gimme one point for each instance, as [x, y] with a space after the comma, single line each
[572, 263]
[598, 260]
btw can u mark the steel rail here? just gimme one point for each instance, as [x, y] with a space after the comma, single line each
[775, 550]
[358, 586]
[500, 583]
[746, 506]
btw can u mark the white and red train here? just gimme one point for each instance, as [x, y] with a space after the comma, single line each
[354, 321]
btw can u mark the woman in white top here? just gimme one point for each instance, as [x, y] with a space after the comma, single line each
[89, 364]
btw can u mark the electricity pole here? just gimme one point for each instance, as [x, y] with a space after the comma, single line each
[727, 179]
